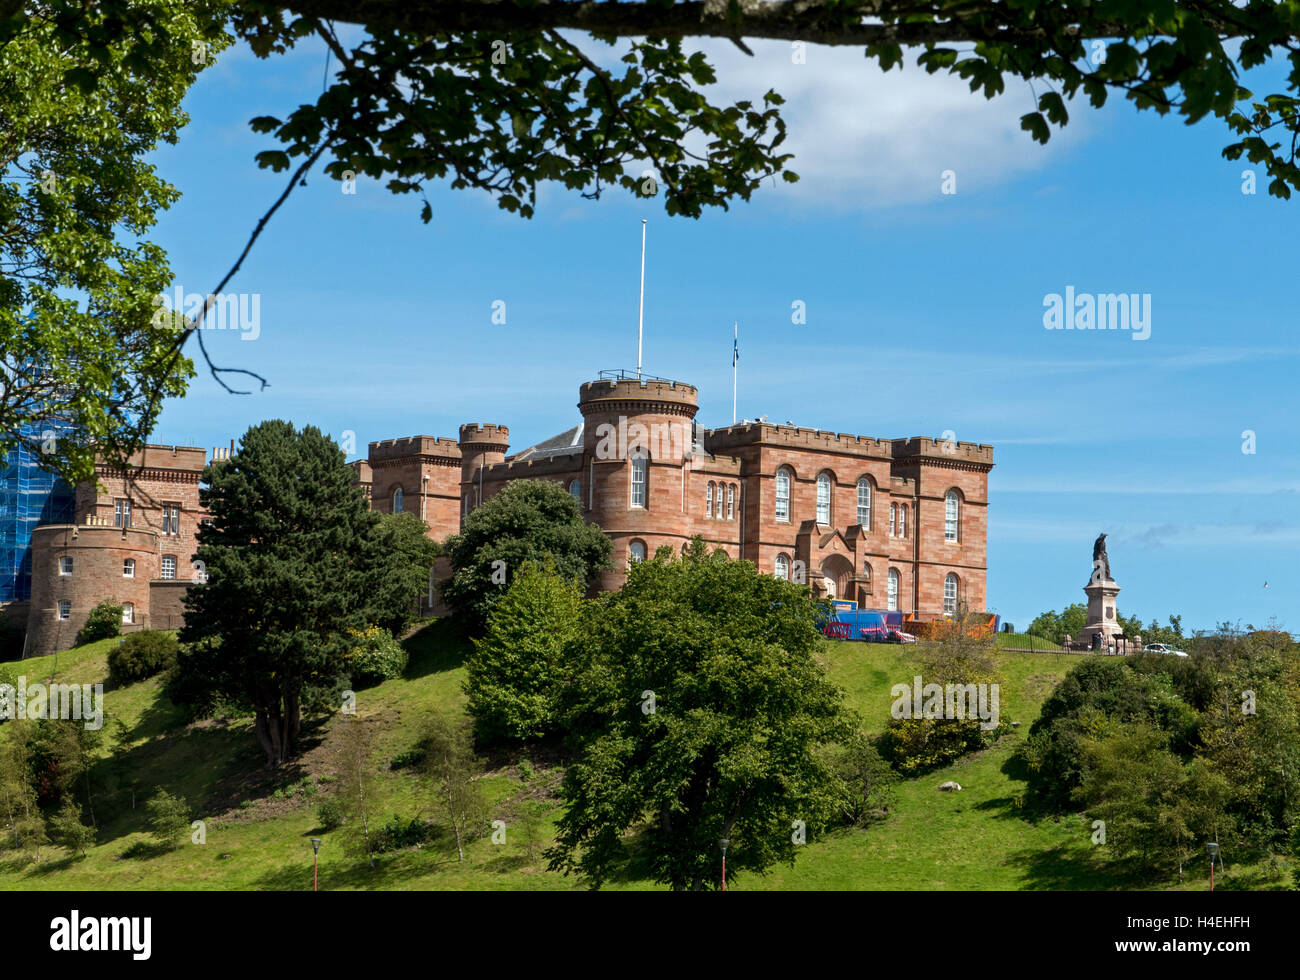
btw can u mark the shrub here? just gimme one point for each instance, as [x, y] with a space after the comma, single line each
[330, 814]
[169, 818]
[399, 833]
[377, 657]
[142, 655]
[104, 621]
[517, 670]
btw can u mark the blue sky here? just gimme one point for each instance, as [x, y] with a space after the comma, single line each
[924, 312]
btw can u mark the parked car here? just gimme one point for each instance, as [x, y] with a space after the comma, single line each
[1163, 648]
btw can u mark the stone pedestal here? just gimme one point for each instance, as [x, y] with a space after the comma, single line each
[1102, 612]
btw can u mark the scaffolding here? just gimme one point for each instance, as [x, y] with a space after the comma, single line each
[29, 497]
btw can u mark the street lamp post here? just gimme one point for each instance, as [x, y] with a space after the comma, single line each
[1213, 848]
[315, 861]
[723, 843]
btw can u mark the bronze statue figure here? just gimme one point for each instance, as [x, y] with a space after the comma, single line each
[1100, 560]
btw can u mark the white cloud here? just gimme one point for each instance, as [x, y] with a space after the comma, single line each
[865, 138]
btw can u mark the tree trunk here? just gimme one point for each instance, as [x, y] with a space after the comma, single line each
[268, 734]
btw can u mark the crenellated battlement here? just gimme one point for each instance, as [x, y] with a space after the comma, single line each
[480, 434]
[795, 437]
[436, 446]
[940, 450]
[162, 459]
[631, 395]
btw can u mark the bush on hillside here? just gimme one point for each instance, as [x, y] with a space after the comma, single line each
[515, 673]
[377, 657]
[142, 655]
[104, 621]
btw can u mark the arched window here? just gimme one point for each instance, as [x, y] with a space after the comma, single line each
[575, 490]
[168, 566]
[950, 516]
[640, 471]
[893, 588]
[893, 520]
[731, 501]
[782, 567]
[128, 568]
[823, 498]
[782, 495]
[902, 520]
[128, 612]
[397, 501]
[950, 594]
[864, 502]
[866, 575]
[708, 501]
[636, 551]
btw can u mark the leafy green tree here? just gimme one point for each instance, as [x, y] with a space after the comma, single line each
[1131, 781]
[289, 553]
[515, 672]
[88, 92]
[529, 520]
[357, 797]
[699, 711]
[72, 749]
[169, 818]
[401, 573]
[1053, 625]
[451, 763]
[68, 830]
[23, 824]
[1096, 690]
[102, 622]
[1171, 634]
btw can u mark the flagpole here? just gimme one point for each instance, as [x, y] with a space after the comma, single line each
[735, 340]
[640, 315]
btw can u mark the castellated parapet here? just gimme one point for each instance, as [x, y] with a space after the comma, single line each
[796, 437]
[638, 396]
[412, 447]
[941, 450]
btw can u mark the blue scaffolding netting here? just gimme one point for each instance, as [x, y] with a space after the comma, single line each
[29, 497]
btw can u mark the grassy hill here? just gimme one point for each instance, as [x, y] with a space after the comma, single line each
[259, 823]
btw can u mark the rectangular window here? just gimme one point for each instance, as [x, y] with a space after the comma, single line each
[169, 566]
[65, 609]
[121, 513]
[128, 568]
[128, 613]
[171, 519]
[65, 566]
[902, 522]
[639, 465]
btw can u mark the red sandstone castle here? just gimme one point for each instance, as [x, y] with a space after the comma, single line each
[890, 523]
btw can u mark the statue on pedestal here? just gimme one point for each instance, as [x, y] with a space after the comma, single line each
[1100, 560]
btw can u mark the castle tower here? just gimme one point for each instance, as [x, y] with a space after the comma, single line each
[417, 475]
[481, 446]
[637, 445]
